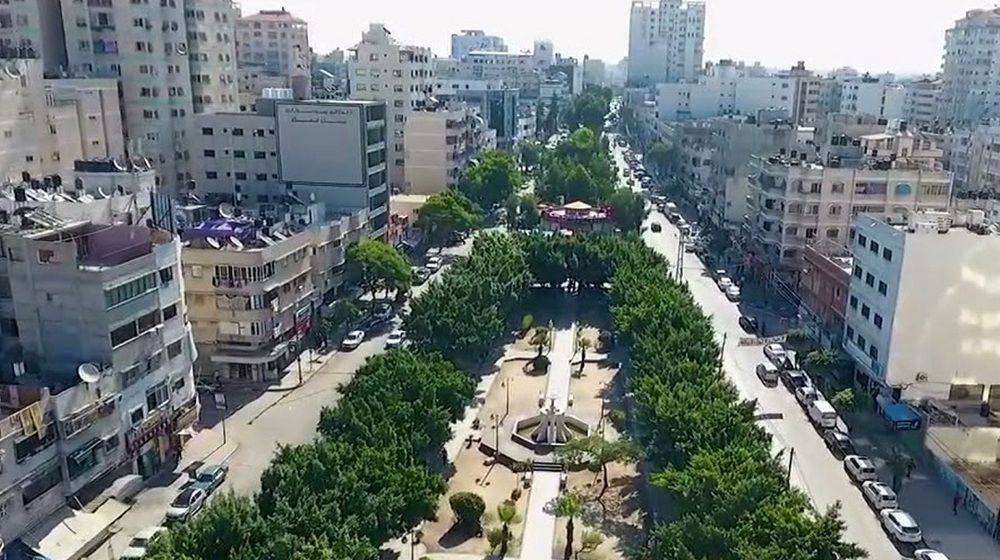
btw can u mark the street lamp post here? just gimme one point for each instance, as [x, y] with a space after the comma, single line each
[496, 434]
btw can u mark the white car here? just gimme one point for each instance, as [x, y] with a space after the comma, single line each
[806, 395]
[140, 542]
[733, 293]
[353, 340]
[901, 526]
[879, 495]
[395, 339]
[186, 505]
[724, 283]
[776, 353]
[433, 264]
[860, 468]
[928, 554]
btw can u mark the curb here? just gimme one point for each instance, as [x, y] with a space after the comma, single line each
[305, 378]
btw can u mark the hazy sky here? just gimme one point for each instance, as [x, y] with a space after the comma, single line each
[903, 36]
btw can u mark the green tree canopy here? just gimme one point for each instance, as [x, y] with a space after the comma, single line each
[589, 109]
[628, 209]
[663, 156]
[491, 179]
[447, 213]
[579, 168]
[379, 266]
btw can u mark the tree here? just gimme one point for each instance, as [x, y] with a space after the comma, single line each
[379, 267]
[843, 399]
[506, 513]
[468, 509]
[823, 359]
[445, 214]
[491, 179]
[540, 339]
[568, 506]
[343, 313]
[528, 214]
[584, 344]
[598, 453]
[530, 154]
[589, 542]
[628, 209]
[663, 156]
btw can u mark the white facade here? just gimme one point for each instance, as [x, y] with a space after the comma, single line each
[968, 91]
[382, 69]
[666, 41]
[36, 29]
[273, 44]
[47, 124]
[872, 96]
[733, 89]
[440, 144]
[524, 71]
[919, 311]
[975, 157]
[923, 98]
[475, 40]
[174, 59]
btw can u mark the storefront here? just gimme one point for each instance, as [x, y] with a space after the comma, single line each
[151, 443]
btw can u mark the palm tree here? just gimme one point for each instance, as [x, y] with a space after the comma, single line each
[540, 339]
[823, 359]
[569, 506]
[506, 512]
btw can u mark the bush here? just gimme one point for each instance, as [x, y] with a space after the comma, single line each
[527, 322]
[539, 364]
[468, 509]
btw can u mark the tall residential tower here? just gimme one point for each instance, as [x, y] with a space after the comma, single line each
[665, 41]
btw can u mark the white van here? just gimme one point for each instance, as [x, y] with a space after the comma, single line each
[822, 414]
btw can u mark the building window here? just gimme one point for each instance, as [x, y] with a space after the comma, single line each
[887, 254]
[854, 302]
[858, 273]
[870, 279]
[873, 352]
[174, 349]
[832, 233]
[874, 247]
[261, 176]
[210, 153]
[877, 320]
[866, 311]
[237, 132]
[837, 187]
[41, 483]
[862, 240]
[211, 175]
[239, 154]
[835, 210]
[882, 287]
[850, 333]
[862, 343]
[207, 131]
[169, 312]
[260, 155]
[129, 290]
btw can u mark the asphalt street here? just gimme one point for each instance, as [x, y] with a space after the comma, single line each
[815, 470]
[258, 422]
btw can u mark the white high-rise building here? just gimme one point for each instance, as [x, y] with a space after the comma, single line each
[273, 44]
[382, 69]
[666, 40]
[475, 40]
[173, 59]
[969, 91]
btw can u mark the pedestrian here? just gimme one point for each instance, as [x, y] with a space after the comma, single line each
[955, 503]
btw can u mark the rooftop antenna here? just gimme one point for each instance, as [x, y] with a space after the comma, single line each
[226, 210]
[88, 373]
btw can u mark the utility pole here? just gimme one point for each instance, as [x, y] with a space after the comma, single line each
[791, 461]
[722, 350]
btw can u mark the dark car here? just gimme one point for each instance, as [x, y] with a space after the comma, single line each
[839, 443]
[794, 378]
[749, 324]
[210, 477]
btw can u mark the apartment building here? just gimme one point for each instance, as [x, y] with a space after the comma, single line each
[30, 29]
[330, 75]
[254, 286]
[823, 289]
[496, 103]
[731, 88]
[918, 316]
[332, 152]
[441, 142]
[401, 76]
[923, 97]
[523, 71]
[798, 197]
[273, 51]
[469, 40]
[968, 95]
[594, 72]
[106, 296]
[45, 125]
[665, 41]
[174, 59]
[974, 157]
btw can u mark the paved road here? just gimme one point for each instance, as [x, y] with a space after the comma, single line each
[815, 470]
[257, 425]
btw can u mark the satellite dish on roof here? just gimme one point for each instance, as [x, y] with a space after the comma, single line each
[226, 210]
[213, 242]
[12, 69]
[103, 191]
[236, 243]
[119, 165]
[88, 373]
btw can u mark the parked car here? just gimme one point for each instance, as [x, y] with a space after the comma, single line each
[774, 352]
[860, 468]
[901, 526]
[806, 395]
[724, 283]
[733, 293]
[879, 495]
[822, 414]
[186, 505]
[433, 264]
[383, 312]
[749, 324]
[793, 379]
[353, 340]
[420, 275]
[928, 554]
[395, 339]
[656, 227]
[839, 443]
[719, 274]
[767, 373]
[210, 477]
[136, 548]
